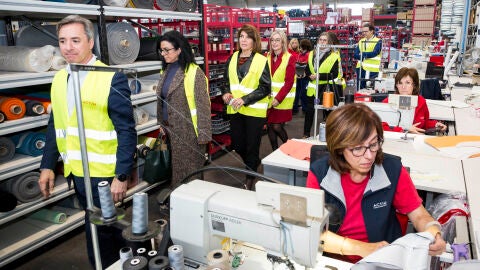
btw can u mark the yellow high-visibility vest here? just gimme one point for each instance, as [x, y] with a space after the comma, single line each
[278, 80]
[369, 64]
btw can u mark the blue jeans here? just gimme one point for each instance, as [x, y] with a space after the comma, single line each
[109, 238]
[301, 94]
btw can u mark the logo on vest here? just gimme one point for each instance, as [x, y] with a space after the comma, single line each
[379, 205]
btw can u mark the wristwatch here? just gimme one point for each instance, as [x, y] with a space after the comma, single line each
[122, 177]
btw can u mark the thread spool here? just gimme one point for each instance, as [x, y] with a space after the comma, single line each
[106, 200]
[158, 263]
[327, 99]
[175, 255]
[218, 258]
[136, 263]
[125, 254]
[142, 150]
[152, 253]
[216, 267]
[141, 252]
[140, 213]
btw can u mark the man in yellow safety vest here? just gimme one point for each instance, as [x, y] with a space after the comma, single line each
[369, 55]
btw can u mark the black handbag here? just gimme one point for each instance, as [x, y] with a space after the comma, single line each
[158, 163]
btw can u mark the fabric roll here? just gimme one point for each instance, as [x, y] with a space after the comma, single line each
[123, 43]
[135, 86]
[30, 36]
[33, 107]
[8, 202]
[28, 59]
[187, 5]
[50, 216]
[149, 50]
[29, 143]
[2, 117]
[25, 187]
[149, 85]
[58, 61]
[165, 4]
[7, 149]
[140, 115]
[116, 3]
[48, 106]
[146, 4]
[12, 108]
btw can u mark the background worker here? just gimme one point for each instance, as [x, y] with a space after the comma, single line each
[369, 55]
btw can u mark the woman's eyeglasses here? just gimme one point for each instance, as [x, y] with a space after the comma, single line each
[166, 51]
[359, 151]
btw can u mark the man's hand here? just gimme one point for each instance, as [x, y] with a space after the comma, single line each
[46, 182]
[438, 246]
[118, 189]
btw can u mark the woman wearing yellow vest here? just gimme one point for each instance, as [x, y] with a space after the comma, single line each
[282, 70]
[247, 97]
[183, 109]
[329, 72]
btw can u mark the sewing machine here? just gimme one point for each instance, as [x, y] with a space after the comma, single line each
[285, 220]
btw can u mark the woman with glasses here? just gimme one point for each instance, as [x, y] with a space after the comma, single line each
[329, 73]
[246, 93]
[282, 71]
[302, 80]
[183, 110]
[408, 83]
[365, 188]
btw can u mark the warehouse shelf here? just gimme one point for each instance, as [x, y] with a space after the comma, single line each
[45, 9]
[25, 123]
[151, 125]
[18, 165]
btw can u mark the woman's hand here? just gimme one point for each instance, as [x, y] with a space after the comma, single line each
[438, 246]
[442, 127]
[313, 77]
[236, 103]
[275, 102]
[415, 129]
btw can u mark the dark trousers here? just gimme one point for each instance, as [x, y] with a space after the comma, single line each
[361, 73]
[301, 94]
[310, 115]
[246, 132]
[109, 238]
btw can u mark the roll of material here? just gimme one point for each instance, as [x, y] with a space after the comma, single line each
[116, 3]
[123, 43]
[176, 258]
[140, 116]
[149, 85]
[219, 257]
[51, 216]
[125, 254]
[135, 86]
[58, 61]
[33, 107]
[149, 49]
[140, 213]
[7, 149]
[48, 106]
[165, 4]
[158, 263]
[29, 59]
[146, 4]
[29, 36]
[12, 108]
[8, 202]
[2, 117]
[25, 187]
[106, 200]
[187, 5]
[29, 143]
[136, 263]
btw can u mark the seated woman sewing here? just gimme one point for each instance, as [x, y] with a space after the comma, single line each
[365, 188]
[407, 83]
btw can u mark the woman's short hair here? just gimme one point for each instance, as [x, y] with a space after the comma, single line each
[178, 41]
[413, 73]
[87, 24]
[290, 44]
[252, 32]
[348, 126]
[328, 36]
[306, 44]
[283, 37]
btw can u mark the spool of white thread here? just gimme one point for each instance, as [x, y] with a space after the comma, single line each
[106, 200]
[219, 258]
[140, 213]
[175, 256]
[125, 254]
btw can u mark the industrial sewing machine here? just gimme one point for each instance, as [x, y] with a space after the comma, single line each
[286, 221]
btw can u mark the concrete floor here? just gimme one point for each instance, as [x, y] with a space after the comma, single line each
[69, 251]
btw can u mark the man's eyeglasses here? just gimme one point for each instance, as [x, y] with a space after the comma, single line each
[359, 151]
[365, 31]
[166, 51]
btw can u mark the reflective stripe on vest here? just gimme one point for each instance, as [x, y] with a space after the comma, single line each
[101, 138]
[369, 64]
[278, 81]
[189, 83]
[248, 84]
[325, 67]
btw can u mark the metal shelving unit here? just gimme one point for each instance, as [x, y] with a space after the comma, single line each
[17, 241]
